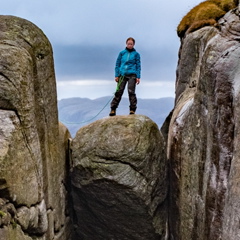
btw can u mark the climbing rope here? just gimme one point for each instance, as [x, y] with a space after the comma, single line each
[85, 121]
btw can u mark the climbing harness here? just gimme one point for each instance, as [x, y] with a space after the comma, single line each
[117, 89]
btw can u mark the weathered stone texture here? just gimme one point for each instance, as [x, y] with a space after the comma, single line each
[32, 167]
[203, 140]
[119, 180]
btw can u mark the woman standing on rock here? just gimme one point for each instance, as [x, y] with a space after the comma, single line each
[127, 70]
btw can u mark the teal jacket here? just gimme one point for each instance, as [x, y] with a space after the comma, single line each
[128, 62]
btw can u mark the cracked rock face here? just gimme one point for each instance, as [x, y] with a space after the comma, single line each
[119, 180]
[203, 140]
[32, 167]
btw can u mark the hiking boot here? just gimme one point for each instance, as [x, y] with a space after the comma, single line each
[132, 112]
[112, 113]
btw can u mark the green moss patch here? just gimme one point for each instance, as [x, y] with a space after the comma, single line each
[2, 214]
[204, 14]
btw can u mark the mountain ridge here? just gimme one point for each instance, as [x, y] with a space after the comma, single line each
[77, 112]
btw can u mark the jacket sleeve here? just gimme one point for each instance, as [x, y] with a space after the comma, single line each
[138, 65]
[118, 64]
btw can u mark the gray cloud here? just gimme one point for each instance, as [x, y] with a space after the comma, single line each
[93, 62]
[87, 35]
[102, 22]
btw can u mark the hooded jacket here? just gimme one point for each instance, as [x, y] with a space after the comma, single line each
[128, 62]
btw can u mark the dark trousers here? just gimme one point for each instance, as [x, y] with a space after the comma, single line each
[131, 80]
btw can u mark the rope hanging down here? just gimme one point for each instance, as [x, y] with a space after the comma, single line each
[117, 89]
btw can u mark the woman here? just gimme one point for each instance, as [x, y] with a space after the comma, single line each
[127, 70]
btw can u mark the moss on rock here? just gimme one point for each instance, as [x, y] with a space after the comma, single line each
[206, 13]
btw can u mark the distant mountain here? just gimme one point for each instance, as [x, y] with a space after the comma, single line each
[78, 112]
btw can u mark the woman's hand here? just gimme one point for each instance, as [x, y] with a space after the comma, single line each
[137, 80]
[116, 79]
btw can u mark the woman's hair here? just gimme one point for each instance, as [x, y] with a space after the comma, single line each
[132, 39]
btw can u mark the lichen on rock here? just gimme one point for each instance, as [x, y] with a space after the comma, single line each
[32, 167]
[203, 138]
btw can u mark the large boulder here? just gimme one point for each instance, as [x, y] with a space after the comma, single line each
[203, 139]
[119, 180]
[32, 167]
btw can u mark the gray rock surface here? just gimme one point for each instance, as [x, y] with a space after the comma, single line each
[118, 165]
[32, 166]
[119, 180]
[203, 139]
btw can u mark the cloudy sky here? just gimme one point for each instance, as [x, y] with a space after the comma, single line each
[87, 35]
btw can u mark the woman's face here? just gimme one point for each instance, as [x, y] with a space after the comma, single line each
[130, 44]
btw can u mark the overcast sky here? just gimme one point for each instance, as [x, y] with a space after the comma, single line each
[87, 35]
